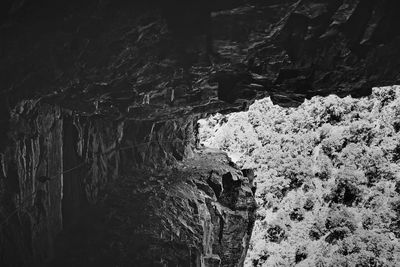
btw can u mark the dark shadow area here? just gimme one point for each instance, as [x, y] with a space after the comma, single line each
[74, 200]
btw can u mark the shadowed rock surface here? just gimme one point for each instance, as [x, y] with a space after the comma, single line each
[94, 96]
[168, 217]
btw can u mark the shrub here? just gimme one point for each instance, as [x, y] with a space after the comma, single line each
[328, 178]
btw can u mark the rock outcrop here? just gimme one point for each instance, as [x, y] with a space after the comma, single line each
[137, 191]
[98, 94]
[27, 234]
[52, 168]
[323, 47]
[171, 217]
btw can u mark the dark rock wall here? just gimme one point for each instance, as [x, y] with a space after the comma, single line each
[35, 151]
[325, 47]
[115, 56]
[98, 146]
[51, 170]
[117, 87]
[90, 159]
[157, 191]
[157, 143]
[175, 218]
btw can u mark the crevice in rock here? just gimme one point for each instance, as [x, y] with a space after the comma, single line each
[74, 200]
[228, 183]
[221, 228]
[213, 182]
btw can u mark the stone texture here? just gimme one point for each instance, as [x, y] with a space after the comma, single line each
[140, 185]
[325, 47]
[113, 85]
[36, 151]
[171, 217]
[49, 175]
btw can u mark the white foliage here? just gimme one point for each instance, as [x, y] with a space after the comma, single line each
[329, 154]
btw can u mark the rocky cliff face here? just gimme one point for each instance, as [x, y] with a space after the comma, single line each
[324, 47]
[51, 169]
[35, 151]
[98, 97]
[138, 192]
[195, 213]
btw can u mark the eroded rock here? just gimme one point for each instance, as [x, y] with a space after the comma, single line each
[163, 217]
[131, 93]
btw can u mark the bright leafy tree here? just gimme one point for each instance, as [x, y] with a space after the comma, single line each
[328, 178]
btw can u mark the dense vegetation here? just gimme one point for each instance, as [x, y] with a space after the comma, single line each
[328, 178]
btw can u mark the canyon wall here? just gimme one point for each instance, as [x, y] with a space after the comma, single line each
[51, 169]
[166, 202]
[35, 151]
[96, 96]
